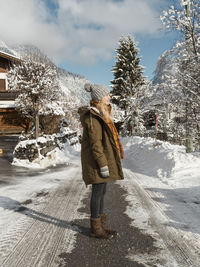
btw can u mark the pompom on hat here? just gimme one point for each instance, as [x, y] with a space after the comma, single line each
[98, 91]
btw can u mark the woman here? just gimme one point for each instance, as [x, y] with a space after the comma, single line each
[101, 151]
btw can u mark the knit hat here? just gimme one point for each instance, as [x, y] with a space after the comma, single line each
[98, 91]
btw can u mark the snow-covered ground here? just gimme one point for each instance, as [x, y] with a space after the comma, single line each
[168, 180]
[160, 165]
[165, 177]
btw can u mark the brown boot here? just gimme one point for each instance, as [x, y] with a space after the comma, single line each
[96, 229]
[105, 226]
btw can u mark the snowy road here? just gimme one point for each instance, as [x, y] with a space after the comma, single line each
[32, 233]
[42, 229]
[156, 220]
[44, 218]
[37, 232]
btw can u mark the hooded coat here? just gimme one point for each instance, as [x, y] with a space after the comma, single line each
[98, 148]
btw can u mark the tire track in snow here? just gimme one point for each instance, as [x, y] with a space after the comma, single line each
[13, 233]
[181, 250]
[50, 227]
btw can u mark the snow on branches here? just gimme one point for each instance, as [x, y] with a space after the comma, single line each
[127, 72]
[185, 18]
[37, 84]
[128, 83]
[180, 75]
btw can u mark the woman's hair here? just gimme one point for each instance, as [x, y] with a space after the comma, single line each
[105, 110]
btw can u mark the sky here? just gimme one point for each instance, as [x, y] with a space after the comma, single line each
[81, 35]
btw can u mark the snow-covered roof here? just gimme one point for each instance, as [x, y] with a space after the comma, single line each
[7, 104]
[10, 57]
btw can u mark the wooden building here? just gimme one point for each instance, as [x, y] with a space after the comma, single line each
[9, 117]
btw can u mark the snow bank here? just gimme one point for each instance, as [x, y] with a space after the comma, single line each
[68, 155]
[160, 159]
[168, 178]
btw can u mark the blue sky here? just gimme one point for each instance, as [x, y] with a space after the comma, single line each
[82, 35]
[150, 50]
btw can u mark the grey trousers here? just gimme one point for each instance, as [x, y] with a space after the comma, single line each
[97, 199]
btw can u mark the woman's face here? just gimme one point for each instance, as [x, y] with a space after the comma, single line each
[106, 99]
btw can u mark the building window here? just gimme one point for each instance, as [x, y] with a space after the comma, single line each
[2, 85]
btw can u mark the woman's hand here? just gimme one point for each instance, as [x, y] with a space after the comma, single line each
[104, 171]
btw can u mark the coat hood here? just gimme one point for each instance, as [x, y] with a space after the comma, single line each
[83, 110]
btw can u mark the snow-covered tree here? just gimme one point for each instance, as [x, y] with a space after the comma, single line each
[134, 122]
[185, 18]
[39, 93]
[168, 98]
[128, 84]
[127, 73]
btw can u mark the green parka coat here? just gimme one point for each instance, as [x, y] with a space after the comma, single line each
[98, 149]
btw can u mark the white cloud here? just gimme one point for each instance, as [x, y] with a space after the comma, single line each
[83, 31]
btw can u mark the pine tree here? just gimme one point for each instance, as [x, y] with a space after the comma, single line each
[128, 85]
[127, 73]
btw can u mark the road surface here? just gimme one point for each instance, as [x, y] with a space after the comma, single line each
[51, 228]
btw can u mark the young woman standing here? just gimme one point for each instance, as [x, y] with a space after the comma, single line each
[101, 153]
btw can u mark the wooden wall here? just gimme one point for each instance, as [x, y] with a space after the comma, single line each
[12, 122]
[2, 85]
